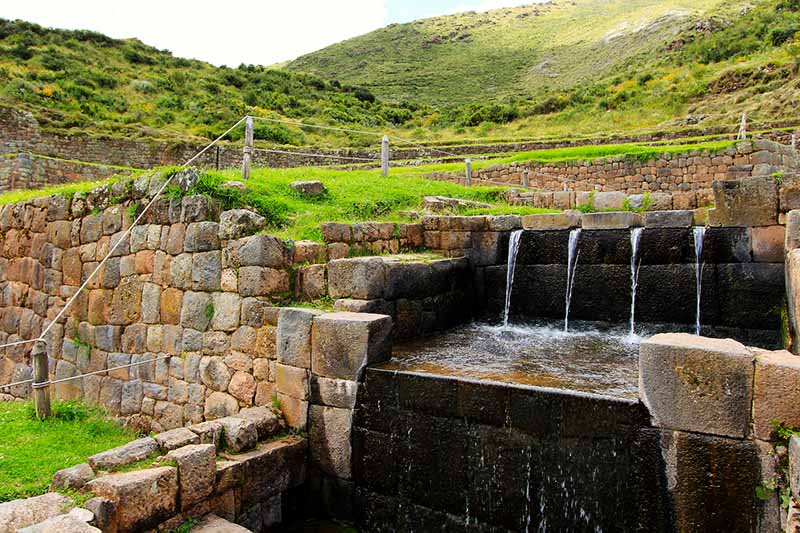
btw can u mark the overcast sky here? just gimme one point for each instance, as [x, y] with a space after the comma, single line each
[237, 31]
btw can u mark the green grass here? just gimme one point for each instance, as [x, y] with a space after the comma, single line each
[31, 451]
[22, 195]
[358, 195]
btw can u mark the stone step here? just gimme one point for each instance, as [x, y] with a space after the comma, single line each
[212, 523]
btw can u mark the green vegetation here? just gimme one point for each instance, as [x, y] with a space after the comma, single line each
[779, 484]
[22, 195]
[31, 451]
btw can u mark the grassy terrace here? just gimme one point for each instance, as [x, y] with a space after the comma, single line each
[31, 451]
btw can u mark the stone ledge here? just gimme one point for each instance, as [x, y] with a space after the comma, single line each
[611, 220]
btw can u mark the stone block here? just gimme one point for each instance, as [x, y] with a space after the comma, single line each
[611, 220]
[610, 200]
[342, 344]
[262, 281]
[794, 465]
[76, 521]
[660, 201]
[503, 223]
[196, 472]
[226, 311]
[336, 232]
[768, 244]
[292, 381]
[334, 392]
[209, 432]
[745, 202]
[116, 458]
[219, 405]
[294, 410]
[126, 305]
[242, 387]
[329, 440]
[214, 373]
[294, 336]
[206, 271]
[201, 237]
[311, 282]
[776, 392]
[176, 438]
[171, 306]
[212, 523]
[267, 423]
[105, 513]
[73, 478]
[697, 384]
[238, 223]
[239, 434]
[196, 311]
[17, 514]
[143, 498]
[668, 219]
[263, 251]
[552, 221]
[361, 278]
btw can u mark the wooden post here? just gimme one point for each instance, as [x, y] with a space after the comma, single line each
[743, 128]
[385, 156]
[247, 156]
[468, 181]
[526, 183]
[41, 382]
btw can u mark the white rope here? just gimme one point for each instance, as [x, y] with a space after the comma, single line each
[120, 240]
[96, 372]
[309, 154]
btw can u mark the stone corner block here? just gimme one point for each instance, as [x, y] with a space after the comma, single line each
[776, 393]
[552, 221]
[343, 343]
[239, 434]
[611, 220]
[176, 438]
[329, 439]
[697, 384]
[361, 277]
[197, 471]
[294, 336]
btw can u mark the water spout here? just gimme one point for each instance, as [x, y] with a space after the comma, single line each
[699, 236]
[636, 235]
[513, 248]
[572, 262]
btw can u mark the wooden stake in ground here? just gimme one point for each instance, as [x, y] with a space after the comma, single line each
[469, 172]
[41, 382]
[247, 157]
[743, 128]
[526, 182]
[385, 156]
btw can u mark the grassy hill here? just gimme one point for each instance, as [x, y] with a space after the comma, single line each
[559, 70]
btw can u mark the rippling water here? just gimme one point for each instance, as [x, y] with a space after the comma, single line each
[591, 357]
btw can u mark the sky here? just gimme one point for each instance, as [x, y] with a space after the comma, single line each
[237, 31]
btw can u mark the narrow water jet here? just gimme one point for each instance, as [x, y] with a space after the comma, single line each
[572, 262]
[513, 248]
[699, 236]
[636, 235]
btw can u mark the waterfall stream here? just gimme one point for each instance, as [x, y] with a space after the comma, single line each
[636, 235]
[572, 262]
[699, 236]
[513, 248]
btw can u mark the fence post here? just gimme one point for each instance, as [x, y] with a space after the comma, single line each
[525, 179]
[468, 181]
[247, 156]
[385, 156]
[743, 128]
[41, 382]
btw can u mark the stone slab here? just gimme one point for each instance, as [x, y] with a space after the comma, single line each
[776, 392]
[611, 220]
[552, 221]
[669, 219]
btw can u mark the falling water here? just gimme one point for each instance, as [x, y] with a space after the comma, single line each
[572, 262]
[699, 235]
[636, 235]
[513, 248]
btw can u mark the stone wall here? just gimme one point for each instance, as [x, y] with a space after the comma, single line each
[26, 171]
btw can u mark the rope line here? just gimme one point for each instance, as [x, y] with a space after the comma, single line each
[94, 373]
[125, 234]
[309, 154]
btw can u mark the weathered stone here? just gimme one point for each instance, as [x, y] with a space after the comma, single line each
[206, 271]
[292, 381]
[308, 252]
[342, 344]
[226, 311]
[176, 438]
[503, 223]
[239, 433]
[668, 219]
[242, 387]
[380, 307]
[238, 223]
[201, 237]
[73, 522]
[333, 392]
[697, 384]
[219, 405]
[294, 410]
[552, 221]
[264, 251]
[311, 282]
[212, 523]
[262, 281]
[209, 432]
[776, 392]
[196, 472]
[611, 220]
[311, 188]
[196, 312]
[143, 498]
[794, 465]
[171, 306]
[745, 202]
[104, 512]
[131, 397]
[329, 439]
[768, 244]
[168, 415]
[267, 423]
[610, 200]
[214, 373]
[126, 305]
[18, 514]
[116, 458]
[660, 201]
[361, 278]
[73, 478]
[294, 336]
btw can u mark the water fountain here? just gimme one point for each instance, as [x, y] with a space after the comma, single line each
[513, 248]
[572, 262]
[699, 235]
[636, 235]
